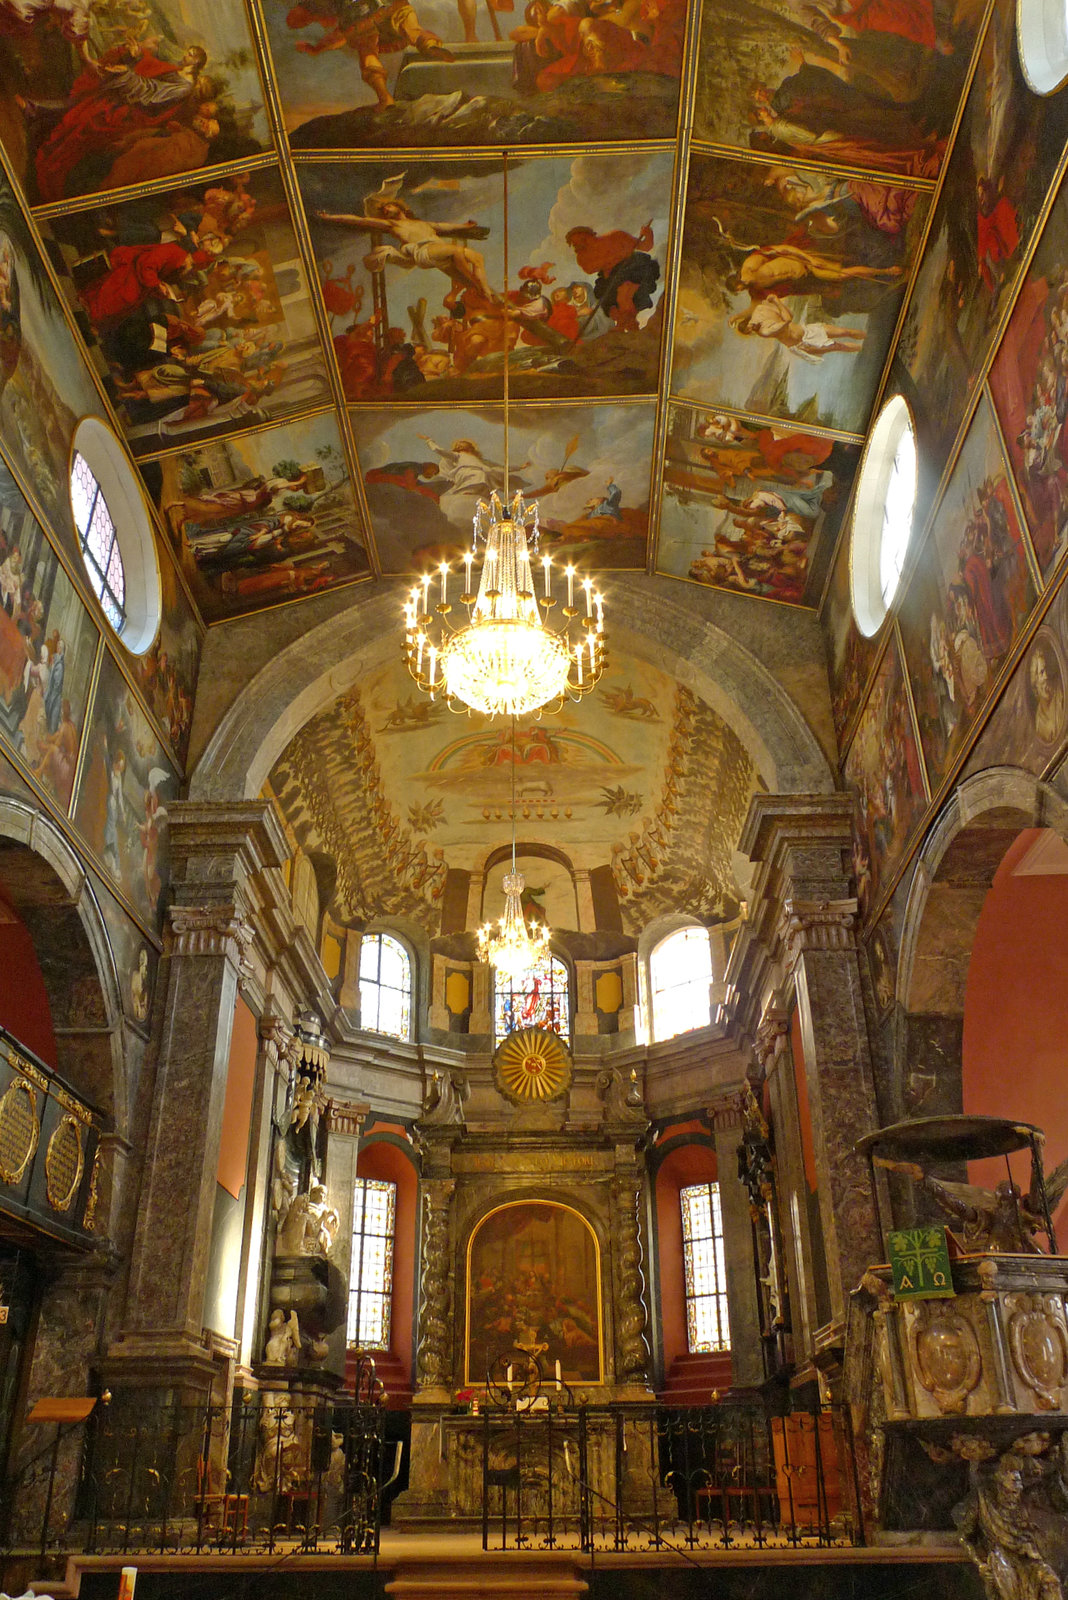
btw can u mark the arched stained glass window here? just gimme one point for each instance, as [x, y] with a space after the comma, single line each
[538, 998]
[385, 986]
[707, 1322]
[680, 972]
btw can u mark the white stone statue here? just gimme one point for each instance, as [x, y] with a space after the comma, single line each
[310, 1225]
[283, 1340]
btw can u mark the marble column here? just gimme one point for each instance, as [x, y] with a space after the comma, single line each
[434, 1358]
[747, 1364]
[216, 853]
[632, 1346]
[802, 846]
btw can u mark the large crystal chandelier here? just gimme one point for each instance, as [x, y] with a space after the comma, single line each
[510, 944]
[509, 654]
[507, 658]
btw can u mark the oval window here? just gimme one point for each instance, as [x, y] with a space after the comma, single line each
[882, 514]
[1042, 37]
[115, 535]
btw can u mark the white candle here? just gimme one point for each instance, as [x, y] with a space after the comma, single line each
[420, 641]
[558, 1383]
[426, 591]
[444, 581]
[546, 563]
[468, 558]
[570, 586]
[508, 1374]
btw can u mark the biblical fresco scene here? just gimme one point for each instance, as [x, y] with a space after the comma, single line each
[885, 772]
[44, 386]
[48, 645]
[1004, 159]
[863, 83]
[125, 787]
[1029, 384]
[477, 72]
[968, 597]
[167, 673]
[261, 518]
[751, 509]
[533, 1278]
[587, 467]
[1029, 724]
[790, 288]
[849, 654]
[98, 94]
[411, 266]
[635, 800]
[196, 307]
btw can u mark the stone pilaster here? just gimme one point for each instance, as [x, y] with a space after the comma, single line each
[217, 852]
[747, 1365]
[802, 844]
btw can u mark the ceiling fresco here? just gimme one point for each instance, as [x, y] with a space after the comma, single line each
[619, 780]
[279, 231]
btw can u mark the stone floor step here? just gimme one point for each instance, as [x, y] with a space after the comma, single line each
[516, 1578]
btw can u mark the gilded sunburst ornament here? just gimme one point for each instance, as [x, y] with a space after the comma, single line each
[531, 1065]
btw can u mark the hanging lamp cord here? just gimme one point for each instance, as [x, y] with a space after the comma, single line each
[507, 338]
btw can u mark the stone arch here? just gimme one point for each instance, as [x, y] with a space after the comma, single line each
[51, 892]
[664, 627]
[953, 874]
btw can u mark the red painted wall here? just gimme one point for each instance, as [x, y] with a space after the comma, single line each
[1015, 1051]
[24, 1007]
[389, 1164]
[690, 1163]
[237, 1107]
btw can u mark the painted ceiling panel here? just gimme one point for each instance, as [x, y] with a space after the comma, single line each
[460, 73]
[432, 233]
[97, 97]
[279, 230]
[866, 83]
[587, 466]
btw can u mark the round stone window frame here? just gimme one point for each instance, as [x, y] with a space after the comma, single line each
[1042, 44]
[870, 608]
[124, 497]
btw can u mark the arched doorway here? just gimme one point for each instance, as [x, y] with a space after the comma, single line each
[983, 973]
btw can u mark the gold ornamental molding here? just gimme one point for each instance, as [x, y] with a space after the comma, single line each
[20, 1129]
[532, 1065]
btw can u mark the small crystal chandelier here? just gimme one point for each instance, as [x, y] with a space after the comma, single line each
[508, 657]
[510, 945]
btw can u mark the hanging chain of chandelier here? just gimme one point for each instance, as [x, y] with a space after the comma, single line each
[513, 648]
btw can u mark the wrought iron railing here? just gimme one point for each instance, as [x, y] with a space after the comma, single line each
[557, 1475]
[273, 1470]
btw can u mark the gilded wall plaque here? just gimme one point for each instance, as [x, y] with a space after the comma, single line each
[531, 1065]
[64, 1163]
[20, 1129]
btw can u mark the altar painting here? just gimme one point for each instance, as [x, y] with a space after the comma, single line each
[533, 1283]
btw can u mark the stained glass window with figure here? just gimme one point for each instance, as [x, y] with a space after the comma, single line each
[537, 998]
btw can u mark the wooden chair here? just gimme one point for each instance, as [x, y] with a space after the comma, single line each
[217, 1508]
